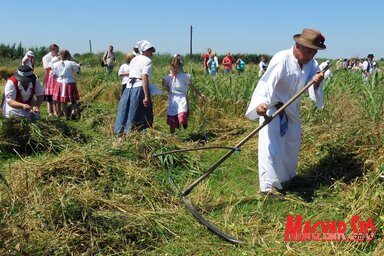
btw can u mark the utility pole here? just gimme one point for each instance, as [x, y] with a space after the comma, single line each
[90, 46]
[190, 43]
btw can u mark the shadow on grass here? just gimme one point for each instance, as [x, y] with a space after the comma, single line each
[339, 164]
[199, 137]
[49, 135]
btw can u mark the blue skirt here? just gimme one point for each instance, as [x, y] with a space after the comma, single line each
[131, 113]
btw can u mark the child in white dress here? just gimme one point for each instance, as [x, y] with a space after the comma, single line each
[177, 84]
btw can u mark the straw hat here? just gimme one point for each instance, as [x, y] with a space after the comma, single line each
[310, 38]
[129, 56]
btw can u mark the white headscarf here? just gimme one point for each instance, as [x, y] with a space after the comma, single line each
[144, 45]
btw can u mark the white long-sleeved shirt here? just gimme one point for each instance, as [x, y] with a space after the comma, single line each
[282, 80]
[64, 70]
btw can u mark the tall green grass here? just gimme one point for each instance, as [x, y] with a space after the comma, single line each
[77, 189]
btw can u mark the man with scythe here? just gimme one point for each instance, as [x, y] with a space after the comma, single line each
[287, 73]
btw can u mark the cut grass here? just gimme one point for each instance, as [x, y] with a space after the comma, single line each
[102, 196]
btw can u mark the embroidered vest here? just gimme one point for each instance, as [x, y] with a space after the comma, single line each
[19, 98]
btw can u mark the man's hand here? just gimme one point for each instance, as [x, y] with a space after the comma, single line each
[35, 109]
[146, 102]
[261, 109]
[26, 107]
[317, 79]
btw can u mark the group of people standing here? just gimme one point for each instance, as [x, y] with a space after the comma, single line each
[60, 83]
[24, 93]
[367, 66]
[211, 63]
[135, 110]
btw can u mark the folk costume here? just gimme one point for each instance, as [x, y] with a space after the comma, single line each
[15, 91]
[178, 108]
[48, 79]
[131, 112]
[65, 89]
[279, 142]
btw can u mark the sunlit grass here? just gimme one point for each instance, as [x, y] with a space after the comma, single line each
[74, 188]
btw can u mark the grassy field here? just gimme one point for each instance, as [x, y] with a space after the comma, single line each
[71, 188]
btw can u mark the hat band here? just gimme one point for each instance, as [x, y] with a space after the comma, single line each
[21, 73]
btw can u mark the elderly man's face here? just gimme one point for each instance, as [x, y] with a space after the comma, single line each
[305, 54]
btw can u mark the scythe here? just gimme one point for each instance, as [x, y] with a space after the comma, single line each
[184, 193]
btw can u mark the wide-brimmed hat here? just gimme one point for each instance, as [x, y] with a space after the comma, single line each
[145, 45]
[310, 38]
[24, 73]
[370, 56]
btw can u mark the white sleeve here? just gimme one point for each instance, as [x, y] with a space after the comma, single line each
[316, 95]
[9, 91]
[46, 62]
[147, 68]
[75, 67]
[264, 89]
[121, 69]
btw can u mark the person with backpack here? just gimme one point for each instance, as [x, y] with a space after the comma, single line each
[109, 59]
[23, 94]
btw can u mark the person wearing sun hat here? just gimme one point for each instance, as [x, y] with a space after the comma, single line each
[23, 94]
[279, 142]
[135, 109]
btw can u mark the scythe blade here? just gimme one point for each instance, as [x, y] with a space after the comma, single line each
[203, 221]
[186, 191]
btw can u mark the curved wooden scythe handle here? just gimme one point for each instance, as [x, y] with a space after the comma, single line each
[187, 191]
[267, 120]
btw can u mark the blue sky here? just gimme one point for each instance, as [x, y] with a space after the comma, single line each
[352, 28]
